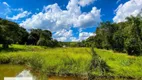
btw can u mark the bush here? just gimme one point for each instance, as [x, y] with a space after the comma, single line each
[133, 46]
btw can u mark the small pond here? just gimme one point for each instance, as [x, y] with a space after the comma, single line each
[16, 70]
[10, 70]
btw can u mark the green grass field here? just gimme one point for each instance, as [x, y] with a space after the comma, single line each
[121, 64]
[70, 61]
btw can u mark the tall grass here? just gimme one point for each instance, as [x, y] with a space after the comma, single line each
[70, 61]
[122, 64]
[57, 61]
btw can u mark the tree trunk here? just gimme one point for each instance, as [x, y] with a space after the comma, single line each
[5, 46]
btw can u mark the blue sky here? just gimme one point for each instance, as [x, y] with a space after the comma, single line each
[69, 20]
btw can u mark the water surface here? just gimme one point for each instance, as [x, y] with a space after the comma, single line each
[10, 70]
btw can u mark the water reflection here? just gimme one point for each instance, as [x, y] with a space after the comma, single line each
[20, 71]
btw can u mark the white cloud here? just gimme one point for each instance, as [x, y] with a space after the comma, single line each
[85, 35]
[61, 38]
[82, 36]
[132, 7]
[88, 19]
[85, 2]
[55, 19]
[4, 9]
[67, 35]
[73, 8]
[5, 3]
[74, 39]
[20, 15]
[18, 9]
[63, 35]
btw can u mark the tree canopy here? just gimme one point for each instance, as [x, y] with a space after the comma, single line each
[122, 37]
[12, 33]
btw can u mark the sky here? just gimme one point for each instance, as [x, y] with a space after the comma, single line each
[68, 20]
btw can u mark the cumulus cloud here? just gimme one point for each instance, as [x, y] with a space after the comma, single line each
[74, 39]
[85, 35]
[88, 19]
[132, 7]
[63, 35]
[67, 35]
[85, 2]
[55, 19]
[82, 36]
[6, 9]
[20, 15]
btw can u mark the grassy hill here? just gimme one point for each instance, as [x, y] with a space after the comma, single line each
[70, 61]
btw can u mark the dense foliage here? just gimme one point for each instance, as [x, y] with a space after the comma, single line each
[41, 38]
[122, 37]
[12, 33]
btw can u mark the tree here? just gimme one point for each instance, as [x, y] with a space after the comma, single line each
[118, 41]
[9, 32]
[46, 34]
[133, 43]
[45, 38]
[42, 42]
[34, 36]
[104, 35]
[121, 37]
[90, 41]
[23, 35]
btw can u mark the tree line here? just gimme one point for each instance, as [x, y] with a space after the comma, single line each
[12, 33]
[121, 37]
